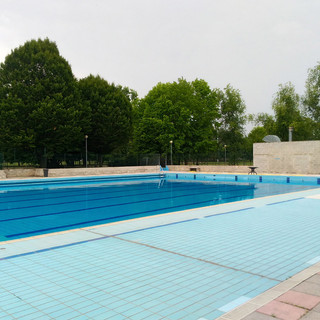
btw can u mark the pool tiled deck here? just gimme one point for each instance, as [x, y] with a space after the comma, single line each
[256, 259]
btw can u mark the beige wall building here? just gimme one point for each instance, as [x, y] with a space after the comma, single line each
[298, 157]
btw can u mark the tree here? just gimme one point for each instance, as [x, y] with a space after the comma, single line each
[311, 99]
[254, 136]
[110, 114]
[15, 141]
[232, 121]
[264, 120]
[286, 106]
[183, 112]
[38, 89]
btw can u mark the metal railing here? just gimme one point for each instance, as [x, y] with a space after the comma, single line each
[17, 159]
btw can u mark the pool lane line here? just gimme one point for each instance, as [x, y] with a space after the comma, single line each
[115, 197]
[71, 190]
[116, 236]
[223, 190]
[67, 193]
[96, 220]
[89, 228]
[89, 240]
[110, 205]
[190, 257]
[76, 180]
[278, 202]
[114, 217]
[107, 236]
[222, 213]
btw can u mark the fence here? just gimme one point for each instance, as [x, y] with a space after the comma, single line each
[77, 160]
[238, 158]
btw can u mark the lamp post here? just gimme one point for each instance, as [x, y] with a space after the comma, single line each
[171, 142]
[225, 154]
[290, 133]
[86, 142]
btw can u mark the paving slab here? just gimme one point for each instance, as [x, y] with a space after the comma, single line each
[299, 299]
[282, 310]
[317, 308]
[315, 279]
[312, 315]
[308, 287]
[258, 316]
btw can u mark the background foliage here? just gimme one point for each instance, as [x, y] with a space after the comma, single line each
[45, 114]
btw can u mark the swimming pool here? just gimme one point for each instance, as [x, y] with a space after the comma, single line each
[33, 207]
[191, 265]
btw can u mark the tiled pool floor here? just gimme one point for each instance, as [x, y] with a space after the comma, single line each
[196, 264]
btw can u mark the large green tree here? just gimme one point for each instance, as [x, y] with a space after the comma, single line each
[38, 93]
[264, 120]
[286, 106]
[232, 121]
[183, 112]
[312, 95]
[311, 99]
[110, 114]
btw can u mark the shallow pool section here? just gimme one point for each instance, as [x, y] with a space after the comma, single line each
[188, 265]
[33, 207]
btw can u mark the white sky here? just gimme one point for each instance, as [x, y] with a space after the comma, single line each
[252, 44]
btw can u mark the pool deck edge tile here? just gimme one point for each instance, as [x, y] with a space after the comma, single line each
[70, 237]
[150, 221]
[272, 294]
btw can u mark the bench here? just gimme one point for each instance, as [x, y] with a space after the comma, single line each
[195, 169]
[252, 170]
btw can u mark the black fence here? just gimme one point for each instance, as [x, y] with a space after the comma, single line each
[78, 160]
[16, 159]
[239, 158]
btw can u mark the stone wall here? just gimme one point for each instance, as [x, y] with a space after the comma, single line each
[102, 171]
[31, 173]
[212, 169]
[22, 173]
[71, 172]
[298, 157]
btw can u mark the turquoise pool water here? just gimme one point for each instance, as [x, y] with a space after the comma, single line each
[190, 265]
[35, 207]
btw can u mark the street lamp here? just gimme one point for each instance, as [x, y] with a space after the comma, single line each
[225, 154]
[171, 142]
[86, 142]
[290, 133]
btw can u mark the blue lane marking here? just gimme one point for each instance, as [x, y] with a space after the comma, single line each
[95, 239]
[153, 191]
[220, 214]
[52, 248]
[117, 204]
[72, 181]
[273, 203]
[66, 192]
[160, 226]
[91, 221]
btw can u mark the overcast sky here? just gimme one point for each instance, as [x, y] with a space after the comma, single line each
[252, 44]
